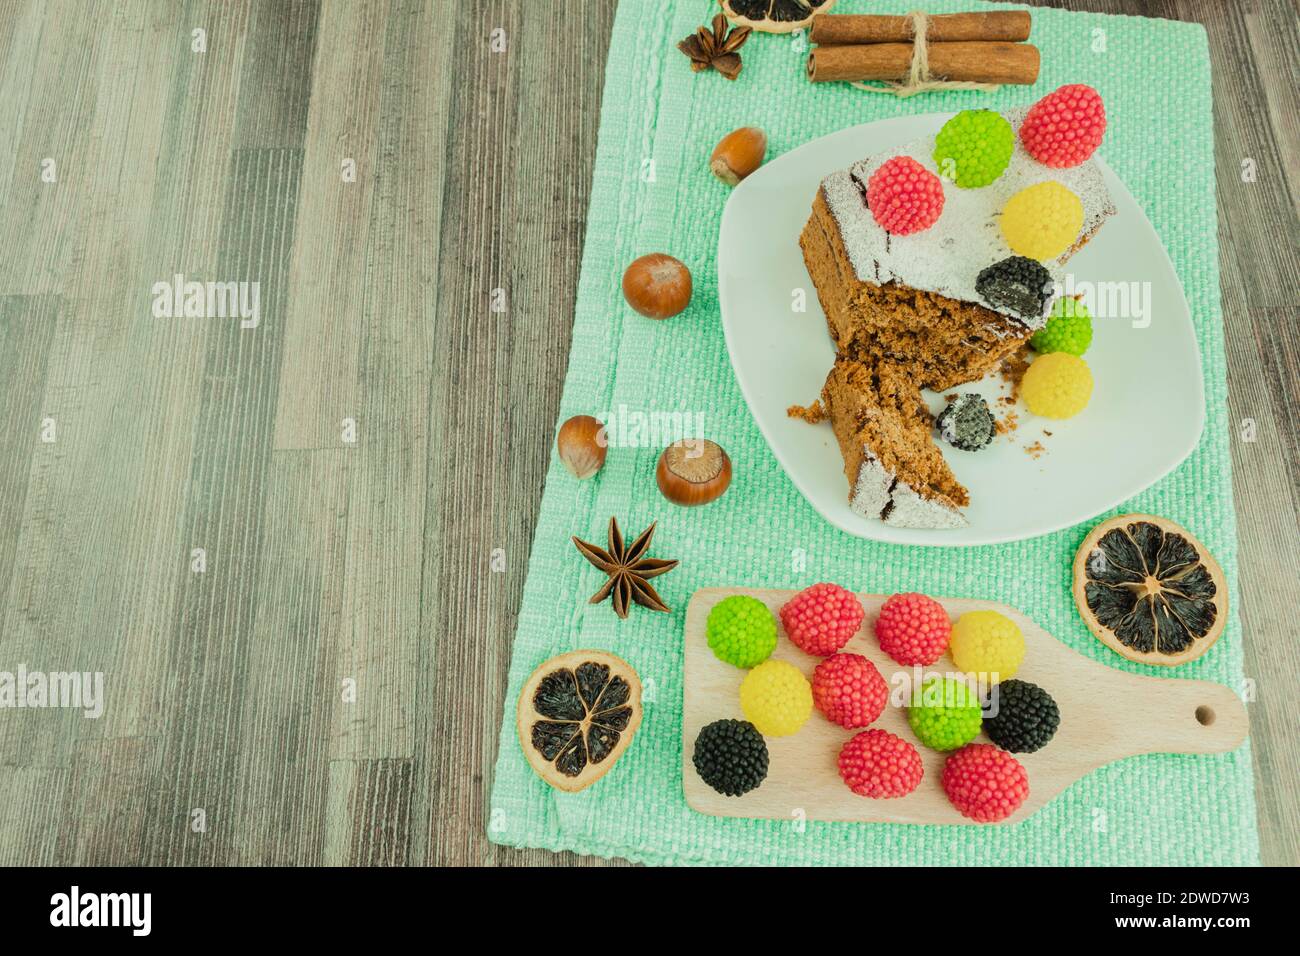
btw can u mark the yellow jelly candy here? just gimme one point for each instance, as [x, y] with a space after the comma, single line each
[776, 698]
[1057, 385]
[1042, 221]
[987, 644]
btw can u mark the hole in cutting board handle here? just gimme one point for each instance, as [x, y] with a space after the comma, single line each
[1205, 715]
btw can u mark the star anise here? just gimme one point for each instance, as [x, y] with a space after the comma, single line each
[629, 570]
[716, 48]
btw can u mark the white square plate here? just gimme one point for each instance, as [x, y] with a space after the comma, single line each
[1148, 403]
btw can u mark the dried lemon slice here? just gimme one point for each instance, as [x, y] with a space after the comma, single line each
[577, 714]
[1149, 590]
[774, 16]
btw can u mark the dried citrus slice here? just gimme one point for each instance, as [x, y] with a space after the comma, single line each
[577, 714]
[774, 16]
[1150, 590]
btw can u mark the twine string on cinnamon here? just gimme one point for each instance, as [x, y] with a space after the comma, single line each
[919, 79]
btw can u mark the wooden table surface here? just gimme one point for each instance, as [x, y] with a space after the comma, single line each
[239, 526]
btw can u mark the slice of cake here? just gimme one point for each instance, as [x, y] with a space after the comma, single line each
[940, 297]
[895, 472]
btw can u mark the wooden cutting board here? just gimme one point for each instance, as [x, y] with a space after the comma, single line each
[1106, 714]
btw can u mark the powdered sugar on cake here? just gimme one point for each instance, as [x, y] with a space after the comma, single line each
[878, 494]
[946, 258]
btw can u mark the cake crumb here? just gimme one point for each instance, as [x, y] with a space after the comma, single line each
[812, 414]
[1013, 369]
[1004, 426]
[1035, 450]
[950, 398]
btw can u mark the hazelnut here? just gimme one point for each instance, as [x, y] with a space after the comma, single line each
[582, 445]
[738, 154]
[657, 286]
[693, 472]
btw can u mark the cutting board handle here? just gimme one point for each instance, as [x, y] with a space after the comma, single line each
[1195, 717]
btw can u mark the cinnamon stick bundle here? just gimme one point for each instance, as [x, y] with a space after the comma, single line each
[979, 47]
[837, 29]
[973, 61]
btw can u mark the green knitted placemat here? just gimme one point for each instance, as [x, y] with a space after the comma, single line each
[651, 191]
